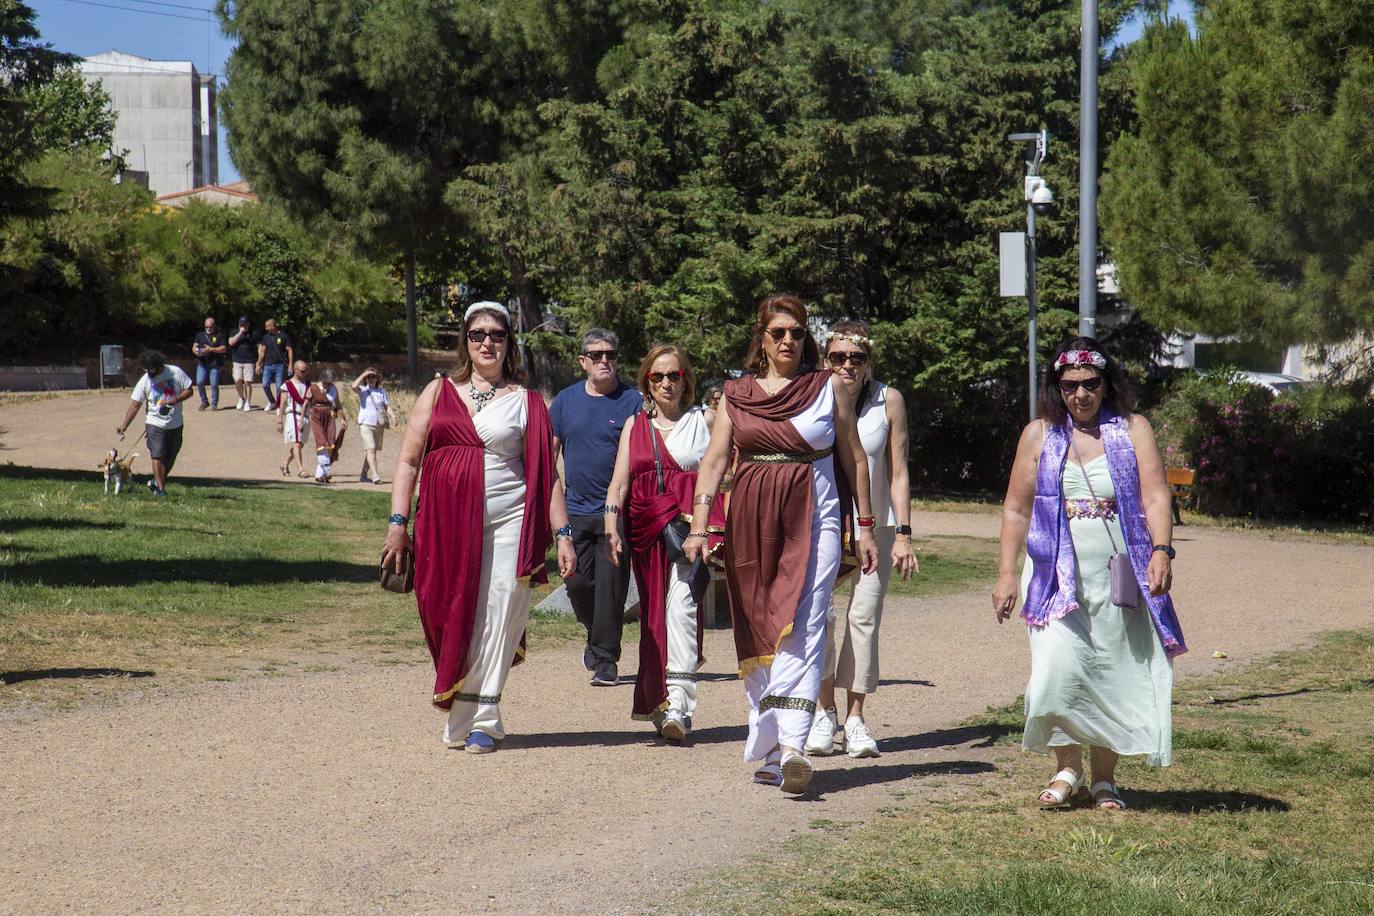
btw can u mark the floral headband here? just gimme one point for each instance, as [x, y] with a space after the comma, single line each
[857, 340]
[1080, 359]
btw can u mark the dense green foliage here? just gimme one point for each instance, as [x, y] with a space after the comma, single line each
[25, 64]
[1303, 456]
[1242, 201]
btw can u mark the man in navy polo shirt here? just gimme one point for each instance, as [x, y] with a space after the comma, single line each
[587, 419]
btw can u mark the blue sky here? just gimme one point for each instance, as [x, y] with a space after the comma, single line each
[187, 30]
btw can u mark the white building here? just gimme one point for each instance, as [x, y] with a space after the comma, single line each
[165, 118]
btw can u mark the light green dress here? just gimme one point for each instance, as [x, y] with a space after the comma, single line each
[1099, 675]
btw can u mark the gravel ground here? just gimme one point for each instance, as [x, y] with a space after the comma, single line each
[332, 791]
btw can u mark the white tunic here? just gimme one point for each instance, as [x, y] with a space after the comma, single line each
[686, 442]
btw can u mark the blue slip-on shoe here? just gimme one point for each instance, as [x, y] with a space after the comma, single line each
[479, 743]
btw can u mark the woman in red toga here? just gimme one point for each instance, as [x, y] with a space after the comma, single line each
[792, 426]
[482, 446]
[652, 487]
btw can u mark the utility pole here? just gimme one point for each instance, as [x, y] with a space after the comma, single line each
[1039, 198]
[1087, 174]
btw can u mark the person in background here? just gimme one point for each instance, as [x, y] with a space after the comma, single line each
[160, 391]
[327, 423]
[374, 416]
[1087, 484]
[244, 356]
[275, 353]
[712, 400]
[661, 445]
[210, 348]
[851, 635]
[293, 418]
[588, 417]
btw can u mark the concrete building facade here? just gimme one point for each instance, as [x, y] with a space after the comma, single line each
[165, 118]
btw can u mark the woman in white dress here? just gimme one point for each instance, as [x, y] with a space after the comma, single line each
[782, 538]
[851, 632]
[482, 447]
[1087, 484]
[652, 486]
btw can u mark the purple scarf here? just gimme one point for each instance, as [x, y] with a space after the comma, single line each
[1054, 580]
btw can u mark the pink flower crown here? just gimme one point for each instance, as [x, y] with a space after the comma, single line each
[1080, 359]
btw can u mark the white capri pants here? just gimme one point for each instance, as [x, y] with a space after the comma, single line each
[851, 634]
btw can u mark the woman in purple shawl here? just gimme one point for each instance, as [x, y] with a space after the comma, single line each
[1088, 483]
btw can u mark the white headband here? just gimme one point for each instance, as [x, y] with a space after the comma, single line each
[485, 306]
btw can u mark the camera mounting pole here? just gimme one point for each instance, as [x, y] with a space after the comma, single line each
[1038, 197]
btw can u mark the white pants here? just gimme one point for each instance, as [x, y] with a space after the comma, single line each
[325, 461]
[682, 640]
[782, 696]
[851, 633]
[503, 610]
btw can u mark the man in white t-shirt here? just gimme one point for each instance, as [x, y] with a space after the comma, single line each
[160, 392]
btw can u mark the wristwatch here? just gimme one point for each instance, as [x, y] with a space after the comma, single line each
[1165, 549]
[564, 532]
[904, 529]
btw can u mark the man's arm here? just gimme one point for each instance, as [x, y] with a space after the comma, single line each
[262, 355]
[290, 355]
[129, 416]
[234, 341]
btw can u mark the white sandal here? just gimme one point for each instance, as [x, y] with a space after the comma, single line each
[1106, 795]
[1058, 797]
[796, 772]
[770, 773]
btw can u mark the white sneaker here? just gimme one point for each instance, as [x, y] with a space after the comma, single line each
[821, 740]
[858, 741]
[239, 405]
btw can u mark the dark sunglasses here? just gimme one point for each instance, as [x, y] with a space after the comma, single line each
[1068, 387]
[597, 356]
[479, 336]
[857, 357]
[658, 377]
[779, 333]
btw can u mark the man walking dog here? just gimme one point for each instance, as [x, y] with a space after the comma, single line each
[161, 391]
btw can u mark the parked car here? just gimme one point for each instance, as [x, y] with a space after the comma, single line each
[1273, 382]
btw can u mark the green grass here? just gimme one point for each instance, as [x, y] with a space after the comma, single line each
[1264, 811]
[949, 564]
[278, 573]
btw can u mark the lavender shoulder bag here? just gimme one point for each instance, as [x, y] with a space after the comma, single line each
[1125, 588]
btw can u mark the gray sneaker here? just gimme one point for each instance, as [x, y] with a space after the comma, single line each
[605, 675]
[675, 726]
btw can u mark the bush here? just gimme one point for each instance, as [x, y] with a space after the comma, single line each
[1306, 456]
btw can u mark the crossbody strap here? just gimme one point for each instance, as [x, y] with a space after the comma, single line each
[658, 461]
[1089, 481]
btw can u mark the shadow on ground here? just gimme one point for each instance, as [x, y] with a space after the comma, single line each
[973, 735]
[11, 525]
[1200, 801]
[92, 570]
[632, 735]
[23, 472]
[829, 781]
[50, 674]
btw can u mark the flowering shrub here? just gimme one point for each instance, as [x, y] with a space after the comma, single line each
[1307, 456]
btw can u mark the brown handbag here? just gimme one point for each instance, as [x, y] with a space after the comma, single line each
[403, 582]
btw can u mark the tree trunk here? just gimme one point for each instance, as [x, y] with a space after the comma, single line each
[537, 363]
[412, 330]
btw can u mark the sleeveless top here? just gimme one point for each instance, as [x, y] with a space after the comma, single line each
[688, 439]
[874, 431]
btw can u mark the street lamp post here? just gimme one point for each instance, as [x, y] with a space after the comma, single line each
[1038, 200]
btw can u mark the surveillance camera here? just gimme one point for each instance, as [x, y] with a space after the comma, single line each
[1042, 198]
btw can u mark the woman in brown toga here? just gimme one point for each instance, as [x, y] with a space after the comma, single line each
[783, 532]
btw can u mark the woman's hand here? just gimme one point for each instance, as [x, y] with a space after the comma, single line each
[1160, 573]
[613, 545]
[396, 546]
[904, 557]
[1004, 597]
[868, 552]
[567, 557]
[693, 547]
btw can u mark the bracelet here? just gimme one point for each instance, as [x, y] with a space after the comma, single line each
[703, 499]
[398, 519]
[564, 532]
[609, 509]
[866, 521]
[696, 534]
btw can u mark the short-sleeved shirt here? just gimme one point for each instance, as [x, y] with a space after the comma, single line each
[275, 345]
[371, 406]
[246, 350]
[589, 428]
[166, 385]
[215, 338]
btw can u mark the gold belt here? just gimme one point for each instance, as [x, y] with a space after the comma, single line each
[786, 457]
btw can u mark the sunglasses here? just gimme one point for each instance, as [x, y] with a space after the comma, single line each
[778, 334]
[856, 357]
[1068, 387]
[659, 377]
[597, 356]
[477, 337]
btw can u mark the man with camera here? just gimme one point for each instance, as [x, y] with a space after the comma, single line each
[245, 357]
[161, 390]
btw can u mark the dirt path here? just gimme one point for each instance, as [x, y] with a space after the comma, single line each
[332, 792]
